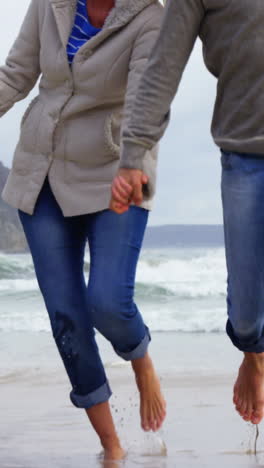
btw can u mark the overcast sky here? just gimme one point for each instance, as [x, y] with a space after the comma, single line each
[188, 188]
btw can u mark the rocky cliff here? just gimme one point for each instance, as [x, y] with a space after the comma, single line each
[11, 235]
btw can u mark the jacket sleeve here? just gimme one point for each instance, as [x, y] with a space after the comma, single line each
[21, 70]
[150, 112]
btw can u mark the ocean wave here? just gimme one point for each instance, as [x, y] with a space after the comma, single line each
[15, 267]
[184, 291]
[160, 276]
[176, 291]
[144, 292]
[198, 275]
[20, 266]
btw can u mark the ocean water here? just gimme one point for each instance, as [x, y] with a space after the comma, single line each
[177, 290]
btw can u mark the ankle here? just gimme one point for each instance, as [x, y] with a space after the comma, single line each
[110, 441]
[142, 365]
[255, 360]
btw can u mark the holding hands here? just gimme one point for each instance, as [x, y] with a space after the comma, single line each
[127, 188]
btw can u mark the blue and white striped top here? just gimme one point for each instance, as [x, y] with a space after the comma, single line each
[82, 30]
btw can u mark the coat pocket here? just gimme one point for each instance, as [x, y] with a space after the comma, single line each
[112, 131]
[92, 138]
[92, 147]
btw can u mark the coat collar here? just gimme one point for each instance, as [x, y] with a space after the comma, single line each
[122, 13]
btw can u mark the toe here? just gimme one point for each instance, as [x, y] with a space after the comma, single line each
[246, 415]
[235, 399]
[152, 419]
[162, 408]
[243, 408]
[145, 426]
[144, 421]
[248, 412]
[256, 417]
[159, 423]
[158, 410]
[257, 414]
[160, 414]
[239, 403]
[235, 393]
[246, 418]
[155, 425]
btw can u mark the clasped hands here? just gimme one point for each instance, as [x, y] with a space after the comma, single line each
[127, 188]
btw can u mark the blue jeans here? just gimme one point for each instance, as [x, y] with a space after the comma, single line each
[243, 209]
[57, 246]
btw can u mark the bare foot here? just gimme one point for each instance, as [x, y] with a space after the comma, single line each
[114, 454]
[112, 449]
[249, 388]
[102, 421]
[152, 403]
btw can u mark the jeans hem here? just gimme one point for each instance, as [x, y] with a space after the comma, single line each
[139, 351]
[253, 347]
[100, 395]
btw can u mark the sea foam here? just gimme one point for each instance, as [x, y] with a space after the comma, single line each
[176, 290]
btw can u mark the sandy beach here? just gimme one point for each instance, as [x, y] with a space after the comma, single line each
[39, 426]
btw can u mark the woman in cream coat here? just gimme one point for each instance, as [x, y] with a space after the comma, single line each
[60, 181]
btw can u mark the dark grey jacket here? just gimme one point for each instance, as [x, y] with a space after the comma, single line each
[232, 32]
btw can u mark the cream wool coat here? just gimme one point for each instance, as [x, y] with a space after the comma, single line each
[71, 130]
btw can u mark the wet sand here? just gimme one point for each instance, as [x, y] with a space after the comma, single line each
[40, 428]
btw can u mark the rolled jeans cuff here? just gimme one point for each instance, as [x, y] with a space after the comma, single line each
[100, 395]
[246, 345]
[139, 351]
